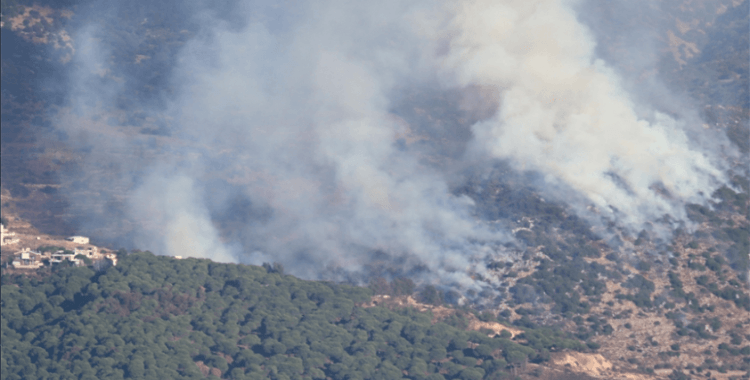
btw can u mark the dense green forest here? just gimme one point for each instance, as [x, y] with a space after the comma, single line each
[153, 317]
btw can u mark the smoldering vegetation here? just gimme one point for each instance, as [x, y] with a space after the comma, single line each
[350, 140]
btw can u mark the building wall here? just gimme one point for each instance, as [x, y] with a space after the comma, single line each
[6, 237]
[79, 239]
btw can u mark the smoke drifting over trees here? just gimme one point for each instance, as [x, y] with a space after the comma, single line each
[283, 134]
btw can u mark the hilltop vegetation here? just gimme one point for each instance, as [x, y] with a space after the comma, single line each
[154, 317]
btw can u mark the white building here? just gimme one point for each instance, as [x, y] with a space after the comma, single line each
[7, 237]
[61, 256]
[91, 253]
[78, 239]
[112, 257]
[27, 259]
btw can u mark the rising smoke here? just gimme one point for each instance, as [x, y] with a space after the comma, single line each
[564, 112]
[281, 141]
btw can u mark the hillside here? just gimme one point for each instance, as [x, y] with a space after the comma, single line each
[690, 316]
[236, 133]
[155, 317]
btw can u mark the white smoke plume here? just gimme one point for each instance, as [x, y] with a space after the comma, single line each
[287, 119]
[563, 112]
[299, 119]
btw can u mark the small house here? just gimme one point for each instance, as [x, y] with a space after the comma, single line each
[27, 259]
[61, 256]
[78, 239]
[91, 253]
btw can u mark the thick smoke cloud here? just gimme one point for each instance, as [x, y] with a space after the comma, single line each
[564, 112]
[283, 143]
[291, 118]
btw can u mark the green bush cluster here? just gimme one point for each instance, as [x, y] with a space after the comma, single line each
[562, 281]
[643, 287]
[730, 292]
